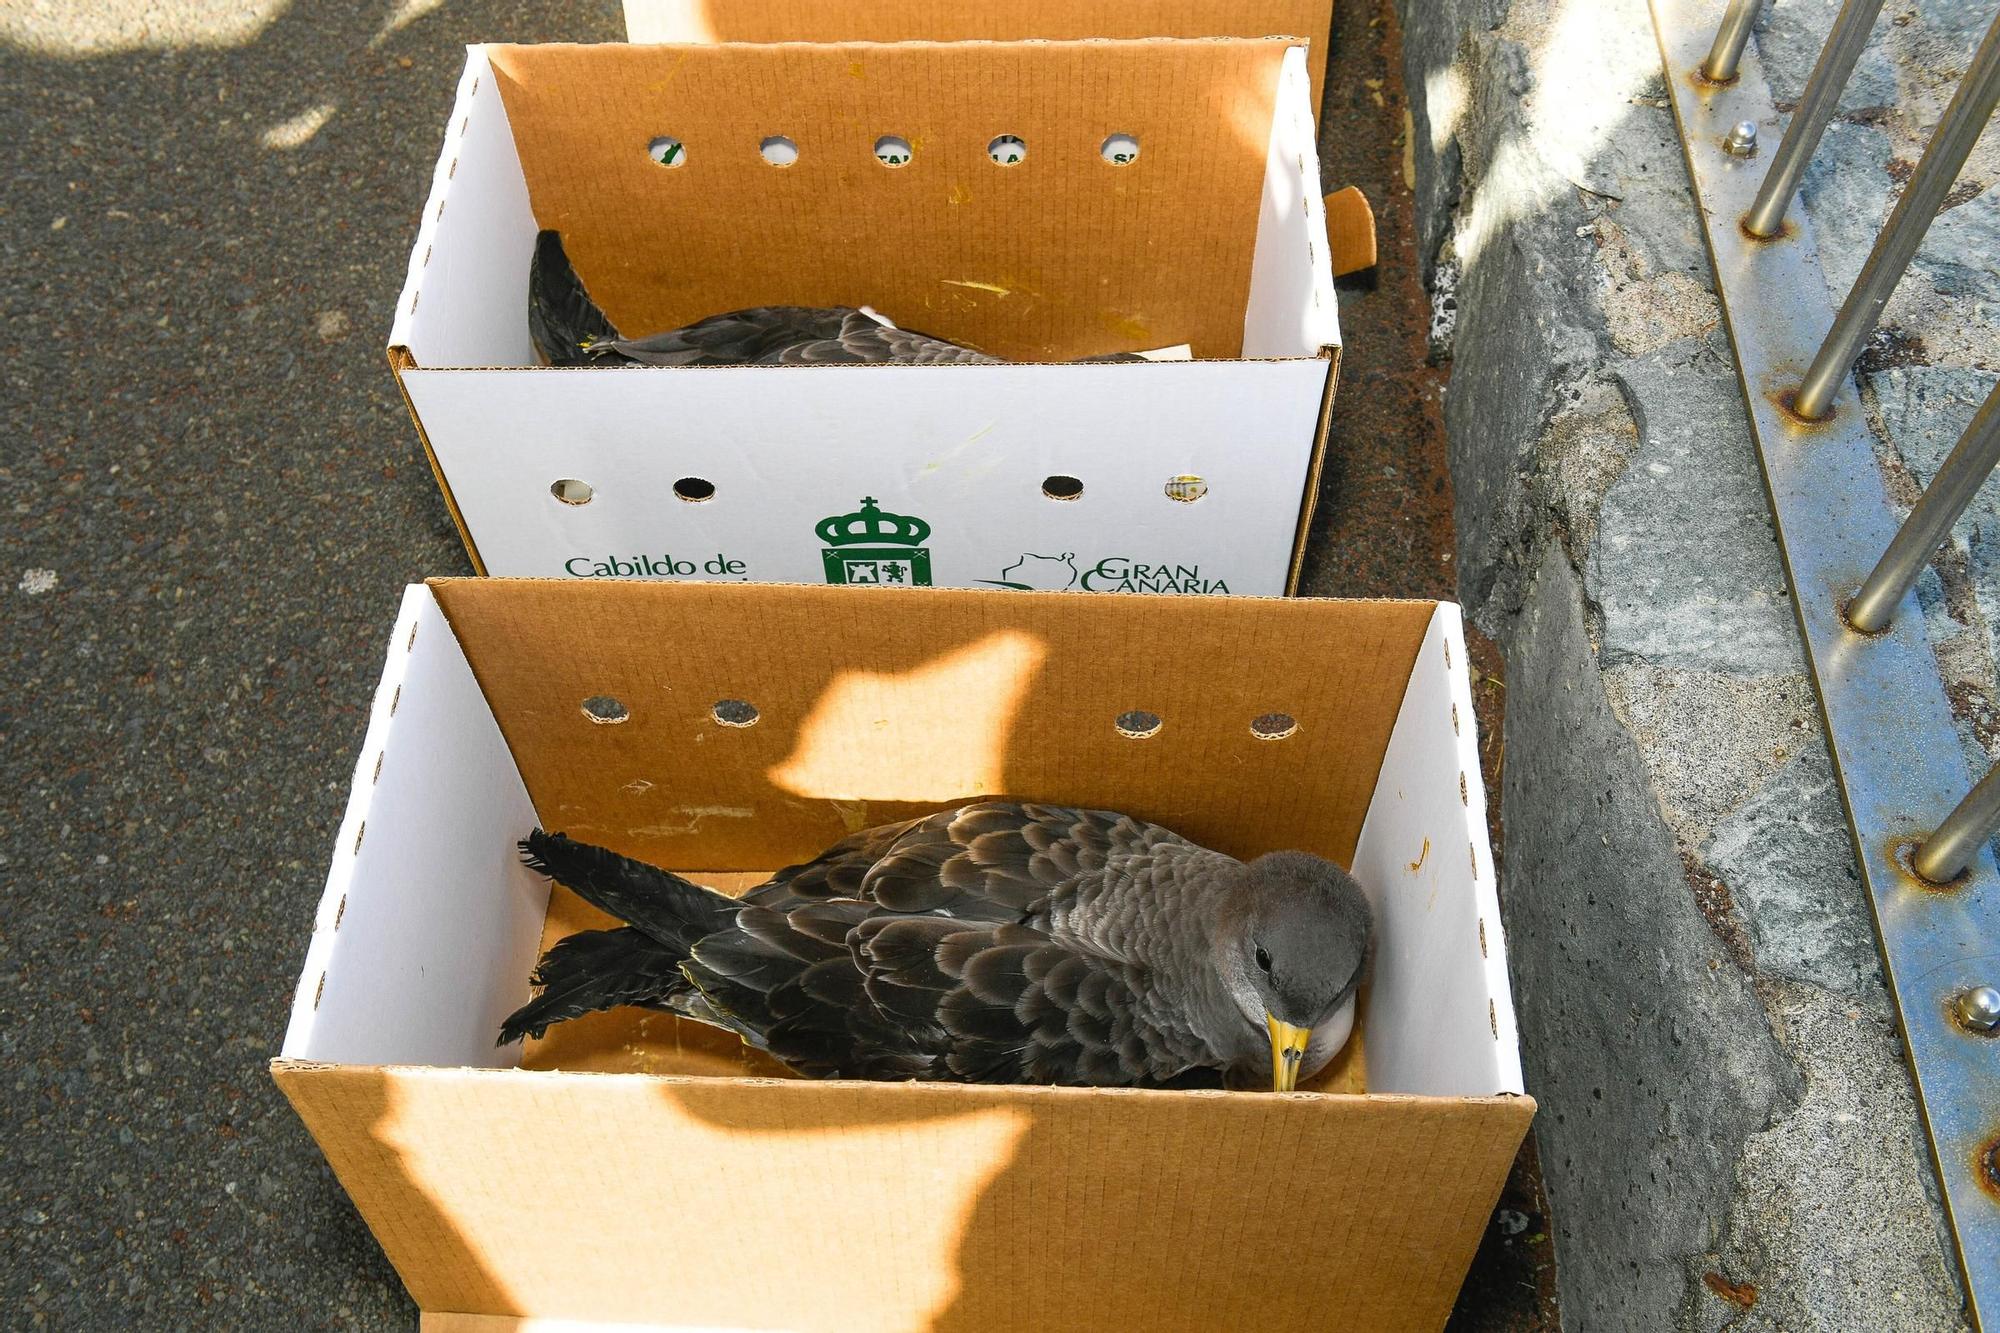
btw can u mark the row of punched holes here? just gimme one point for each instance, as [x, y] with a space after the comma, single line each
[894, 151]
[697, 490]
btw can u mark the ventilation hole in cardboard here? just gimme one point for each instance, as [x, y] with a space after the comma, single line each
[667, 151]
[1493, 1019]
[605, 710]
[892, 151]
[1274, 726]
[1062, 488]
[1464, 793]
[572, 492]
[359, 834]
[694, 489]
[1120, 149]
[319, 990]
[1186, 488]
[340, 912]
[1454, 719]
[779, 151]
[1447, 654]
[1138, 724]
[395, 701]
[411, 642]
[735, 713]
[1472, 855]
[1482, 937]
[1008, 149]
[377, 776]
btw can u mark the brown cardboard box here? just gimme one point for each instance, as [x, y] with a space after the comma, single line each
[1210, 238]
[981, 20]
[635, 1170]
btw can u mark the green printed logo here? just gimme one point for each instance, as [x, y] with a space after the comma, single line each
[871, 547]
[1038, 573]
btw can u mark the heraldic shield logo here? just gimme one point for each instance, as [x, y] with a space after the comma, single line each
[871, 547]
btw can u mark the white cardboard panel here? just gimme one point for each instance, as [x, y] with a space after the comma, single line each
[964, 448]
[1440, 1014]
[465, 300]
[429, 924]
[1292, 309]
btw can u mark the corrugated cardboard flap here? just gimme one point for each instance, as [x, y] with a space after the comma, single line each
[621, 1197]
[1061, 255]
[1350, 227]
[887, 702]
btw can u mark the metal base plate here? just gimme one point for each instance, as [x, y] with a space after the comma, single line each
[1888, 721]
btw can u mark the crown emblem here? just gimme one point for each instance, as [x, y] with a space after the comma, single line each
[870, 525]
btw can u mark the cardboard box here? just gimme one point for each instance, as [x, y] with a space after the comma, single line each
[1190, 476]
[634, 1169]
[1310, 21]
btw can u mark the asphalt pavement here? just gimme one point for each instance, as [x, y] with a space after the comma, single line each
[214, 486]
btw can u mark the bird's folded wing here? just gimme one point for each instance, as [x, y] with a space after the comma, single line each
[1008, 1004]
[864, 340]
[920, 950]
[996, 861]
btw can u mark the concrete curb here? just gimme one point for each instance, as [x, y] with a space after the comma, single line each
[1728, 1136]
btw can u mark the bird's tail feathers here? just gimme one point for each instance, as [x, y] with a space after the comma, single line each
[675, 912]
[593, 970]
[568, 328]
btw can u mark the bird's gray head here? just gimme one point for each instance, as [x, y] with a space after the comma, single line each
[1295, 951]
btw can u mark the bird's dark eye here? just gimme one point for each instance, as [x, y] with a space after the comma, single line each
[1263, 959]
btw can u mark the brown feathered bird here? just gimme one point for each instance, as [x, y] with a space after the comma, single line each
[570, 329]
[993, 943]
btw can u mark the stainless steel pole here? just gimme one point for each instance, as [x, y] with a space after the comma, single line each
[1971, 107]
[1723, 57]
[1944, 855]
[1836, 61]
[1971, 461]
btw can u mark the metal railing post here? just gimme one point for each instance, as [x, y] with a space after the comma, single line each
[1944, 855]
[1971, 461]
[1724, 56]
[1836, 61]
[1971, 106]
[1890, 721]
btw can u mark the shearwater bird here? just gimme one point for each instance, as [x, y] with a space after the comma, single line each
[570, 329]
[992, 943]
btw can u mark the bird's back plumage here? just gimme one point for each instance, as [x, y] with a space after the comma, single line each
[996, 942]
[570, 329]
[783, 335]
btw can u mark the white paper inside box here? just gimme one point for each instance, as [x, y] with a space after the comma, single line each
[1057, 200]
[635, 1169]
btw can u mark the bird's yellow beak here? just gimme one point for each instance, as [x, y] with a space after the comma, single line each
[1288, 1052]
